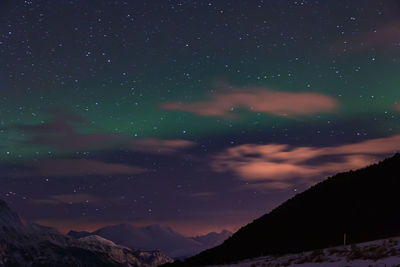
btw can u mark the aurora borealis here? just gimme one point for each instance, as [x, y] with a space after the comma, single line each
[200, 115]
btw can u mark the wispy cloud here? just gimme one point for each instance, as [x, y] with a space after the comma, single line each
[62, 122]
[77, 141]
[161, 146]
[397, 107]
[61, 133]
[77, 167]
[279, 164]
[384, 37]
[258, 99]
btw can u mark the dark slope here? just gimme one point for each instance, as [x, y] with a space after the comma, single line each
[364, 204]
[8, 218]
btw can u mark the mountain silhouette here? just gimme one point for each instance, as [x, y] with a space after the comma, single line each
[364, 204]
[156, 237]
[24, 244]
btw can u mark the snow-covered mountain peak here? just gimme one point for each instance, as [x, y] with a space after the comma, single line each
[156, 237]
[36, 245]
[97, 240]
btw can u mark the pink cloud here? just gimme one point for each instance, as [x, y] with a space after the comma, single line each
[386, 145]
[385, 36]
[81, 167]
[161, 146]
[279, 163]
[259, 99]
[397, 107]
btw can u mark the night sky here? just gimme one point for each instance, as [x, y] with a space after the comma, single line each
[199, 115]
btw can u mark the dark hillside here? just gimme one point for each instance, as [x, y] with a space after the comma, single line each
[364, 204]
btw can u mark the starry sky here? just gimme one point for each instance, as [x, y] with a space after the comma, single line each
[199, 115]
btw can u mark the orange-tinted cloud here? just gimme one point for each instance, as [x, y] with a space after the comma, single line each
[383, 37]
[281, 164]
[78, 167]
[259, 99]
[161, 146]
[397, 107]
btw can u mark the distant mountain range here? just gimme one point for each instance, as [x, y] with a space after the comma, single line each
[157, 237]
[36, 245]
[364, 204]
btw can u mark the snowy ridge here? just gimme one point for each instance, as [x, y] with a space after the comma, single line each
[156, 237]
[384, 252]
[36, 245]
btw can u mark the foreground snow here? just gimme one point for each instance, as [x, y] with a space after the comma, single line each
[385, 252]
